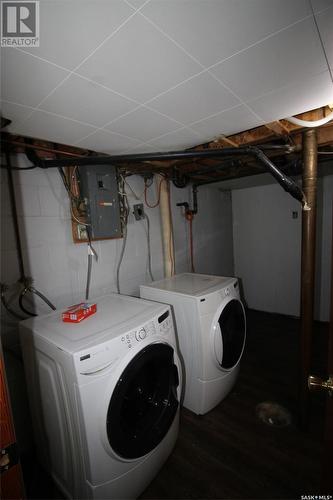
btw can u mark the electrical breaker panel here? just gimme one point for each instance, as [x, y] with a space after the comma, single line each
[99, 188]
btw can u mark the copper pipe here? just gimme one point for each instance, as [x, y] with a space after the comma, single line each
[309, 185]
[24, 145]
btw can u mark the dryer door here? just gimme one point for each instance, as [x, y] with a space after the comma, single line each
[229, 334]
[144, 402]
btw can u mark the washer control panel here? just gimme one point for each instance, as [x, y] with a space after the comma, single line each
[95, 360]
[161, 325]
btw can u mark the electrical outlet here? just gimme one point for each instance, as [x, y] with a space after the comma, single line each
[138, 211]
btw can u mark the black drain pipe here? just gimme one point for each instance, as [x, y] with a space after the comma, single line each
[286, 182]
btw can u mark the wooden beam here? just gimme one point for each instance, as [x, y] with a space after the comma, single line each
[223, 140]
[324, 136]
[278, 128]
[271, 131]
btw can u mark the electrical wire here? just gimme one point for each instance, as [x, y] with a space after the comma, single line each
[90, 257]
[154, 205]
[149, 247]
[70, 185]
[78, 220]
[124, 219]
[171, 232]
[121, 257]
[190, 221]
[91, 253]
[137, 197]
[74, 198]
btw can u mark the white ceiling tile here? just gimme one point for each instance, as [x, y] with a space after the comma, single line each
[309, 94]
[180, 139]
[139, 62]
[70, 30]
[54, 128]
[319, 5]
[195, 99]
[143, 124]
[106, 142]
[228, 122]
[214, 30]
[137, 3]
[290, 56]
[25, 79]
[14, 112]
[144, 148]
[86, 101]
[325, 26]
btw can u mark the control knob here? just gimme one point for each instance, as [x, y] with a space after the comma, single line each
[141, 334]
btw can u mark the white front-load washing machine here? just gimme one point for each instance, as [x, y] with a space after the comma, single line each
[211, 329]
[104, 395]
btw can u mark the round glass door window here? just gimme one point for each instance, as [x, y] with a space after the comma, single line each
[230, 334]
[144, 402]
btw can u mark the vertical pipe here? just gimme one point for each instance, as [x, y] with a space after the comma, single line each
[14, 215]
[167, 233]
[309, 184]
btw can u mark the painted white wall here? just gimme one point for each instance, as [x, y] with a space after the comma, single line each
[212, 232]
[59, 266]
[324, 249]
[267, 248]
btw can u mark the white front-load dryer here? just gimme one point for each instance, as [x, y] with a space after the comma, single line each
[104, 396]
[211, 330]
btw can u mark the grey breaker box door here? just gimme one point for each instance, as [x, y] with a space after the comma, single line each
[99, 186]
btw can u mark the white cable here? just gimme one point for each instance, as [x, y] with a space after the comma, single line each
[121, 257]
[310, 124]
[148, 247]
[137, 197]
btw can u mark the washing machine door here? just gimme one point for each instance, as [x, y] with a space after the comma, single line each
[144, 402]
[229, 334]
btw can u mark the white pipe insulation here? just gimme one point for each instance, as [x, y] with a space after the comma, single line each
[310, 124]
[166, 225]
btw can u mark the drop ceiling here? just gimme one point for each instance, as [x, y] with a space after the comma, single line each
[125, 76]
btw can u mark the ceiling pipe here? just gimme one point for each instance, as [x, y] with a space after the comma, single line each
[309, 183]
[25, 145]
[233, 164]
[189, 215]
[286, 182]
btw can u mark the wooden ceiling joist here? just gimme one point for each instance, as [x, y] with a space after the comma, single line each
[278, 128]
[276, 133]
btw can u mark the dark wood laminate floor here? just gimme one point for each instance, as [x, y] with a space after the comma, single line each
[229, 453]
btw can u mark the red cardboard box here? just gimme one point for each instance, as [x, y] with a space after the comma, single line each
[78, 312]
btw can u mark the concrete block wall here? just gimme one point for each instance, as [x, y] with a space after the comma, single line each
[59, 266]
